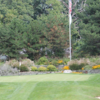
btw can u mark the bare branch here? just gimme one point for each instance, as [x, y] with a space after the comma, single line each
[85, 3]
[73, 14]
[75, 4]
[75, 19]
[65, 4]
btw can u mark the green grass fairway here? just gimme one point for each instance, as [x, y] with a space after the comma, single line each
[50, 87]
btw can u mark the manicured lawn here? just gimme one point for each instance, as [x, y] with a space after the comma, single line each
[50, 87]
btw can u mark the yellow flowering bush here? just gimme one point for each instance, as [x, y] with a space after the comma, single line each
[96, 67]
[82, 68]
[60, 61]
[65, 68]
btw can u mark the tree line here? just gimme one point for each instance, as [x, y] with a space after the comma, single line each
[39, 27]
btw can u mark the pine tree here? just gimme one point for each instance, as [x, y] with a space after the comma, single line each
[35, 40]
[11, 39]
[90, 28]
[56, 33]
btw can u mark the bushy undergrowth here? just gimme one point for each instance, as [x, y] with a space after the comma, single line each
[51, 68]
[43, 61]
[41, 68]
[76, 66]
[27, 62]
[13, 63]
[33, 68]
[23, 68]
[87, 67]
[7, 70]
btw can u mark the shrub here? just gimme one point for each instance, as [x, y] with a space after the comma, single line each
[79, 61]
[65, 68]
[77, 66]
[54, 62]
[13, 63]
[43, 61]
[60, 62]
[87, 67]
[23, 68]
[41, 68]
[8, 70]
[33, 68]
[51, 68]
[96, 67]
[65, 61]
[27, 62]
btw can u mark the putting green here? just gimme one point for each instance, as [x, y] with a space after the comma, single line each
[50, 87]
[45, 77]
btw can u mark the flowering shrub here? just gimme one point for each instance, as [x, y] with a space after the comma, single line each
[60, 62]
[96, 67]
[83, 68]
[33, 68]
[65, 68]
[41, 68]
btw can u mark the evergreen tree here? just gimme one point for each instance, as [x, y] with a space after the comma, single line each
[22, 9]
[35, 39]
[90, 28]
[56, 33]
[11, 39]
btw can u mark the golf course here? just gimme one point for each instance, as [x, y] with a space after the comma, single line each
[50, 87]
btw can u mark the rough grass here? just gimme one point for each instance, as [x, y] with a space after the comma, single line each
[50, 87]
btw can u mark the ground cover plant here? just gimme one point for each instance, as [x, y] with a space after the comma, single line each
[50, 87]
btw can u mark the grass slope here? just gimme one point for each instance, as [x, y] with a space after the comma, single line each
[50, 87]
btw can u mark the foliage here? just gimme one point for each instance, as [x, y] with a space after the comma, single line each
[41, 68]
[40, 7]
[33, 68]
[60, 62]
[56, 34]
[54, 62]
[24, 68]
[8, 70]
[22, 36]
[76, 66]
[84, 61]
[27, 62]
[65, 61]
[65, 68]
[96, 67]
[34, 41]
[87, 67]
[42, 61]
[13, 63]
[89, 28]
[51, 68]
[10, 9]
[12, 39]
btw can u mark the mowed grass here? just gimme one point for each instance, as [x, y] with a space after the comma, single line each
[50, 87]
